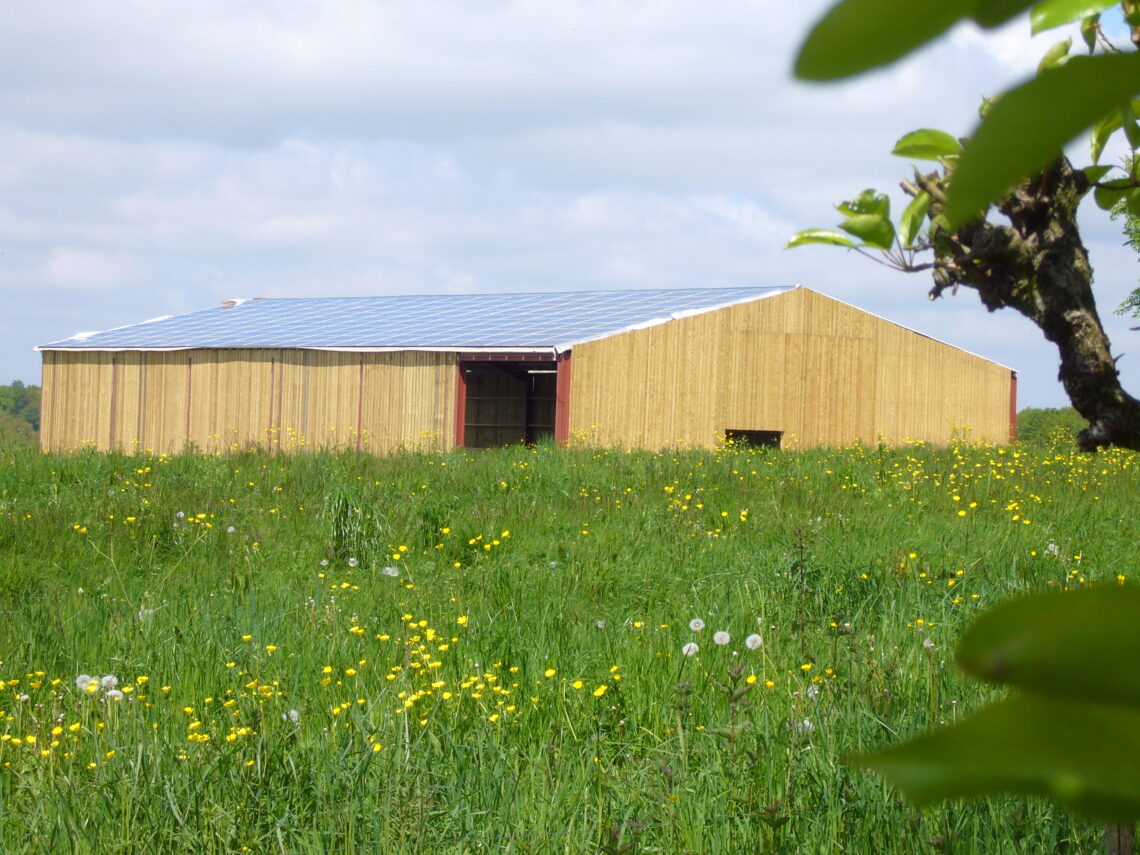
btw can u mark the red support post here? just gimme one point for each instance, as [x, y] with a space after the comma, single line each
[460, 404]
[562, 400]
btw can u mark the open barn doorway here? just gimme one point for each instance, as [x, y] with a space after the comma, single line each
[508, 402]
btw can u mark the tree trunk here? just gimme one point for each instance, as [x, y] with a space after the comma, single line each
[1038, 265]
[1118, 840]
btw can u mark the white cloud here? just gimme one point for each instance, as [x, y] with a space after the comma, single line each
[70, 268]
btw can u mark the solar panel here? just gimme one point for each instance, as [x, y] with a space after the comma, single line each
[452, 321]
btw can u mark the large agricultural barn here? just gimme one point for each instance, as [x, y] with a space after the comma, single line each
[651, 369]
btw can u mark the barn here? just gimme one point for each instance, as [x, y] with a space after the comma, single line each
[784, 366]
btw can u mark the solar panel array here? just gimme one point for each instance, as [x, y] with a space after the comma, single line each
[452, 321]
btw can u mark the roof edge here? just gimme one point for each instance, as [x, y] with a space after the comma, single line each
[769, 291]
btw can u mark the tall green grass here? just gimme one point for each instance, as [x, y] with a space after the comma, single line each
[483, 651]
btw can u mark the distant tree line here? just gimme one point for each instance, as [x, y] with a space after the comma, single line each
[1057, 426]
[19, 413]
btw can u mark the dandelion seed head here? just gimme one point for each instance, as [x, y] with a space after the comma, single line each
[390, 571]
[722, 638]
[114, 695]
[696, 624]
[754, 641]
[691, 649]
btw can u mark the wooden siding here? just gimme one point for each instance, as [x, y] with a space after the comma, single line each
[821, 372]
[226, 400]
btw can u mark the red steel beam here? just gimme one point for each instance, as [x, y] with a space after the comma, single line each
[562, 400]
[460, 402]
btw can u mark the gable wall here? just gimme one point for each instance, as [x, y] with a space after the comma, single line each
[820, 371]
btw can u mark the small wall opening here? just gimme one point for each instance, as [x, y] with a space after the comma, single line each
[754, 438]
[508, 403]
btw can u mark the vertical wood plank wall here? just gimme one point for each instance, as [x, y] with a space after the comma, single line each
[822, 372]
[225, 400]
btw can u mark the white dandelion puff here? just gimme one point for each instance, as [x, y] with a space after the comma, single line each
[691, 649]
[696, 624]
[84, 680]
[352, 562]
[114, 695]
[754, 641]
[109, 682]
[722, 638]
[391, 571]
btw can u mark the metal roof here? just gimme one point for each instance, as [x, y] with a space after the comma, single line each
[522, 322]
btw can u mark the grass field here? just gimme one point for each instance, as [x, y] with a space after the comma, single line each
[488, 651]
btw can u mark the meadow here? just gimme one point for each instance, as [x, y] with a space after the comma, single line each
[527, 650]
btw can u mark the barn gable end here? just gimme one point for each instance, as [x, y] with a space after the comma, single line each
[800, 364]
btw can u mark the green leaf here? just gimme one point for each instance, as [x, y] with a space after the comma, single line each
[1088, 31]
[857, 35]
[992, 13]
[730, 732]
[1096, 173]
[874, 230]
[1082, 644]
[1101, 131]
[1105, 128]
[867, 202]
[1107, 196]
[1128, 122]
[1055, 56]
[1028, 126]
[819, 236]
[910, 223]
[927, 144]
[1081, 755]
[1056, 13]
[1132, 202]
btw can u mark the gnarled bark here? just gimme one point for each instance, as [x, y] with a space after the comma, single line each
[1038, 265]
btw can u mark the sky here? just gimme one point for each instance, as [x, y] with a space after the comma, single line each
[159, 157]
